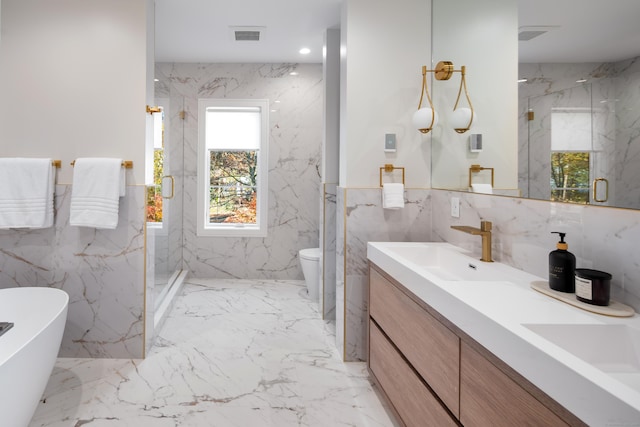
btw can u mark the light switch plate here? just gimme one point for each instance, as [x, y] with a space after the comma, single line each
[455, 207]
[390, 142]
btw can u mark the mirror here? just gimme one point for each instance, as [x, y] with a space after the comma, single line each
[583, 88]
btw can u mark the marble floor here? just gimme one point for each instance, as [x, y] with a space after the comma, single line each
[231, 353]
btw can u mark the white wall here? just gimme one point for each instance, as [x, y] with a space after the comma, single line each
[482, 36]
[72, 80]
[384, 45]
[73, 84]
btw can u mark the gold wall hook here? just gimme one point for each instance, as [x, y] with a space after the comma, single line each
[152, 110]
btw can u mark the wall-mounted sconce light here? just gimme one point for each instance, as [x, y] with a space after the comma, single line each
[462, 118]
[426, 118]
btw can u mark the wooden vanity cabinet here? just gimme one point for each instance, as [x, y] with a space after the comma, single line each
[433, 374]
[431, 348]
[488, 397]
[414, 403]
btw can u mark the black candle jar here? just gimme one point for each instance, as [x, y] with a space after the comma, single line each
[593, 286]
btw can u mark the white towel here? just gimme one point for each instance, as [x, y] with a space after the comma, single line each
[482, 188]
[392, 196]
[26, 193]
[95, 196]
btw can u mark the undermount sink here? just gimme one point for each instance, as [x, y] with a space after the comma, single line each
[614, 349]
[446, 263]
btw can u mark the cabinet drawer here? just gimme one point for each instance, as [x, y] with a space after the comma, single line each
[432, 349]
[490, 398]
[411, 399]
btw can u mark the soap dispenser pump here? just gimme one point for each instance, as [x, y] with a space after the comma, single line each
[562, 266]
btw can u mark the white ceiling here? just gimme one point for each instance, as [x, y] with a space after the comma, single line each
[198, 30]
[590, 30]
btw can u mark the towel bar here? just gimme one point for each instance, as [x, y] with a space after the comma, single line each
[390, 168]
[127, 164]
[476, 169]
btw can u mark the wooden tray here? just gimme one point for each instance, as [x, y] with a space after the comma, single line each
[614, 309]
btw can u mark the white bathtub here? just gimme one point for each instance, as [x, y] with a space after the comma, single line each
[28, 351]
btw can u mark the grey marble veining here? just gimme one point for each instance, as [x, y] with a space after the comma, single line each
[231, 353]
[601, 238]
[101, 270]
[294, 159]
[365, 220]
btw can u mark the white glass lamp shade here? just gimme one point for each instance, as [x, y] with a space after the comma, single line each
[460, 119]
[422, 119]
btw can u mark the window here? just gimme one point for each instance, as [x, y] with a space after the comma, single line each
[156, 216]
[570, 177]
[232, 167]
[570, 154]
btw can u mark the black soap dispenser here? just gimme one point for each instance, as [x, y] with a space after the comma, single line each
[562, 267]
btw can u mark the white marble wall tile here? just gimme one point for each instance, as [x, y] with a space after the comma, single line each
[340, 271]
[101, 270]
[294, 157]
[600, 238]
[367, 221]
[328, 252]
[150, 292]
[627, 107]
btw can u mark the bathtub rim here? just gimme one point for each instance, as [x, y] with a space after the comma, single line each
[12, 343]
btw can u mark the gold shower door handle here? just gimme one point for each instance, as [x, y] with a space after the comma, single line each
[595, 190]
[173, 187]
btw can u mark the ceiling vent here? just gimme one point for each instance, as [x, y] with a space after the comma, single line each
[528, 33]
[247, 34]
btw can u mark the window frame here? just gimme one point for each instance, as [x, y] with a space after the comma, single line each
[204, 228]
[162, 228]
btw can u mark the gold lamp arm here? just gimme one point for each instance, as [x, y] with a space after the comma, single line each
[425, 89]
[463, 84]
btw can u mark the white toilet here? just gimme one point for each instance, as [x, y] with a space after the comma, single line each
[310, 262]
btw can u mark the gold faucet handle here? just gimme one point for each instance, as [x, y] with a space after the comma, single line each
[485, 225]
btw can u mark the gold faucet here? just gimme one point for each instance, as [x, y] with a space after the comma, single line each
[485, 232]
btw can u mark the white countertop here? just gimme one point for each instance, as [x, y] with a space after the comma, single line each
[494, 314]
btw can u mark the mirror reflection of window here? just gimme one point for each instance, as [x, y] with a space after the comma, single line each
[154, 192]
[571, 147]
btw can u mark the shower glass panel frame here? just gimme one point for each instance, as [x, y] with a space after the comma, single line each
[168, 268]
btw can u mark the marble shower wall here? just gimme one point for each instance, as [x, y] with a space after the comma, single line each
[601, 238]
[294, 159]
[613, 91]
[364, 220]
[101, 270]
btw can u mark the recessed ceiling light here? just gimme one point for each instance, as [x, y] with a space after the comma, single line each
[277, 101]
[522, 80]
[293, 73]
[305, 51]
[581, 80]
[156, 80]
